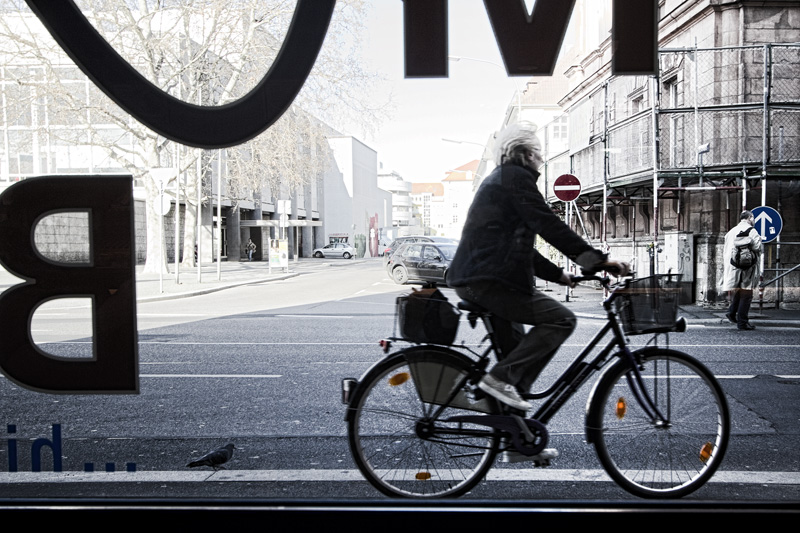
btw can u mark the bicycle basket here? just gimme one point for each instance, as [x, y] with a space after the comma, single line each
[649, 305]
[426, 317]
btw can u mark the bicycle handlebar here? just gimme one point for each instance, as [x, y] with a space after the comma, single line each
[605, 281]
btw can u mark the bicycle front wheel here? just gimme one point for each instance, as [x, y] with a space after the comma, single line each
[660, 459]
[399, 432]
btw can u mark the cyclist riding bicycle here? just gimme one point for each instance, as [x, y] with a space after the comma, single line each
[496, 262]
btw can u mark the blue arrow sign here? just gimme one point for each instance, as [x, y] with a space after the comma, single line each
[768, 222]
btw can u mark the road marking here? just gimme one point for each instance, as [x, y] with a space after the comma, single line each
[248, 376]
[337, 343]
[313, 316]
[335, 475]
[675, 345]
[141, 315]
[374, 343]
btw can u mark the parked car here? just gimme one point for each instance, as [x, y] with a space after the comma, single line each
[335, 250]
[422, 261]
[387, 253]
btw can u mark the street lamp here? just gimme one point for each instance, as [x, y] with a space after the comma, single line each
[463, 142]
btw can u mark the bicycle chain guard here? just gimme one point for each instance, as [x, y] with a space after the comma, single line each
[509, 425]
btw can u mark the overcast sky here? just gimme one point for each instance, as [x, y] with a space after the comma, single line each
[467, 106]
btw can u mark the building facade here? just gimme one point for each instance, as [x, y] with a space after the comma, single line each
[458, 195]
[355, 206]
[667, 162]
[404, 222]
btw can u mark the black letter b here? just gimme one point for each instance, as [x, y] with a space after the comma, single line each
[108, 279]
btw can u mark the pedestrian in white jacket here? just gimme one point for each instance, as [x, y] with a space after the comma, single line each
[741, 282]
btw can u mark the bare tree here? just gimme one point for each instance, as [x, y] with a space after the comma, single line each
[207, 52]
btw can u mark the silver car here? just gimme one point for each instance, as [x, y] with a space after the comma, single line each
[335, 250]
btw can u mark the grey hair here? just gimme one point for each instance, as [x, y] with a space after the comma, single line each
[745, 215]
[515, 142]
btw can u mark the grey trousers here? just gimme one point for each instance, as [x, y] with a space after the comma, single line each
[553, 324]
[740, 306]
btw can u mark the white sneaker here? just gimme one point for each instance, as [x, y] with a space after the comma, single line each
[503, 392]
[540, 459]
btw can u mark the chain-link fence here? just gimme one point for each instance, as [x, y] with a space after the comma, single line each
[740, 101]
[784, 135]
[784, 80]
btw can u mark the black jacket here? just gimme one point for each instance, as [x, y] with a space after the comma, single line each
[497, 242]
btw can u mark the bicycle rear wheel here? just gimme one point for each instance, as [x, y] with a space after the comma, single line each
[657, 460]
[398, 430]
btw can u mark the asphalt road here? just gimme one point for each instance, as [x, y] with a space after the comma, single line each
[260, 366]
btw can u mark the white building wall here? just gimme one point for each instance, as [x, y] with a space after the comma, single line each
[457, 199]
[338, 199]
[354, 204]
[401, 198]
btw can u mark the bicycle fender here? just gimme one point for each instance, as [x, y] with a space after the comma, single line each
[592, 424]
[592, 420]
[358, 391]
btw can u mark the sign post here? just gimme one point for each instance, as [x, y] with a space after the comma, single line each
[567, 188]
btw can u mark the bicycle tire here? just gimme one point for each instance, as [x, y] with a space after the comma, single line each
[660, 461]
[390, 405]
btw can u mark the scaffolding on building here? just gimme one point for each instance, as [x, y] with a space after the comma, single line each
[713, 120]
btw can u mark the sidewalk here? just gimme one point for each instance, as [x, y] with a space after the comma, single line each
[587, 302]
[230, 274]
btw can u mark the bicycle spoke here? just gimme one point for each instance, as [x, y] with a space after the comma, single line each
[396, 443]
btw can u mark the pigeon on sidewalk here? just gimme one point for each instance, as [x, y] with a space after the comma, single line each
[216, 458]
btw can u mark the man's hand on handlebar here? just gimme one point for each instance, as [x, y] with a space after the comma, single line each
[567, 279]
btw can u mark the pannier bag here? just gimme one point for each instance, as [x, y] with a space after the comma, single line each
[426, 317]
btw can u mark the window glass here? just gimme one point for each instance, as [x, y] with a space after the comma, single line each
[255, 347]
[414, 251]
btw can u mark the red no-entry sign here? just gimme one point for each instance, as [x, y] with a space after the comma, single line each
[567, 187]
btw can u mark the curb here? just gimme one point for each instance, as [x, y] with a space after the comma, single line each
[208, 290]
[313, 267]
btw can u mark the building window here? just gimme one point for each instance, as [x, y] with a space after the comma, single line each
[559, 128]
[637, 104]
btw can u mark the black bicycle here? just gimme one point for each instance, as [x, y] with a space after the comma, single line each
[419, 427]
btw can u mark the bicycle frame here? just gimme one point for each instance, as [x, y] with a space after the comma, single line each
[579, 371]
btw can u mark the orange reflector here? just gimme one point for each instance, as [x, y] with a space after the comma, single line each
[622, 408]
[398, 379]
[706, 451]
[423, 476]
